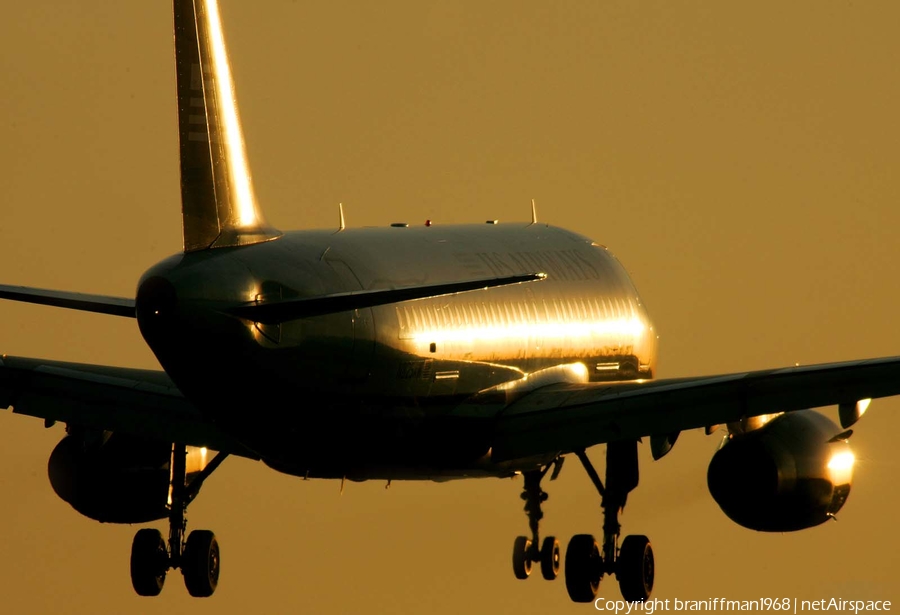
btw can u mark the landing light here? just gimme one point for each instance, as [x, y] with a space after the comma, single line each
[841, 462]
[840, 467]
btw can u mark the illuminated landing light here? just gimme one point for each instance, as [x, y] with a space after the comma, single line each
[841, 461]
[840, 466]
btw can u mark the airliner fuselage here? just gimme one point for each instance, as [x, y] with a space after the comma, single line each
[385, 382]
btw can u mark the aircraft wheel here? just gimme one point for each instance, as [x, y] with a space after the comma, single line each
[635, 568]
[521, 558]
[584, 567]
[200, 564]
[149, 562]
[550, 558]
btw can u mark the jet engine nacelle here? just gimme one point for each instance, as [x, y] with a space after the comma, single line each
[113, 478]
[788, 475]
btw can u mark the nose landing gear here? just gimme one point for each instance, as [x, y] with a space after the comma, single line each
[197, 557]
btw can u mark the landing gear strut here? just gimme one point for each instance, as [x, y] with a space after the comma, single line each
[633, 564]
[197, 557]
[525, 550]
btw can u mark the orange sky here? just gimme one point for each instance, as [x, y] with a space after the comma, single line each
[741, 162]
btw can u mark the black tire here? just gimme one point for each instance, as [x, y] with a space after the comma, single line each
[149, 562]
[584, 567]
[550, 558]
[200, 564]
[635, 568]
[521, 558]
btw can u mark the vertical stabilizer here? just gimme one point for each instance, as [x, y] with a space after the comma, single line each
[217, 200]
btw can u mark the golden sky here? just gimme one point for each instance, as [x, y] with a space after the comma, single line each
[741, 162]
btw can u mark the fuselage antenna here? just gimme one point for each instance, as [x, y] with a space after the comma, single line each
[533, 213]
[341, 210]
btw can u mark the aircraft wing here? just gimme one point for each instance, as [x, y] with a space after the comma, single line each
[140, 402]
[115, 306]
[561, 418]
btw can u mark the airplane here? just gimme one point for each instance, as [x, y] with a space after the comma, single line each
[427, 353]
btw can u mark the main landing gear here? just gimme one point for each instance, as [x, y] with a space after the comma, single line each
[586, 561]
[527, 551]
[197, 557]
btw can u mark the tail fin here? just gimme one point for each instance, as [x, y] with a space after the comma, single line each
[218, 204]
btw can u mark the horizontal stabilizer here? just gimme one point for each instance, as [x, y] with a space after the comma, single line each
[116, 306]
[292, 309]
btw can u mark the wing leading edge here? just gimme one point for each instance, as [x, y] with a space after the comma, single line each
[115, 306]
[562, 418]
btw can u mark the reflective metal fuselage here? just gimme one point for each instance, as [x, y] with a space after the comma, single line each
[372, 392]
